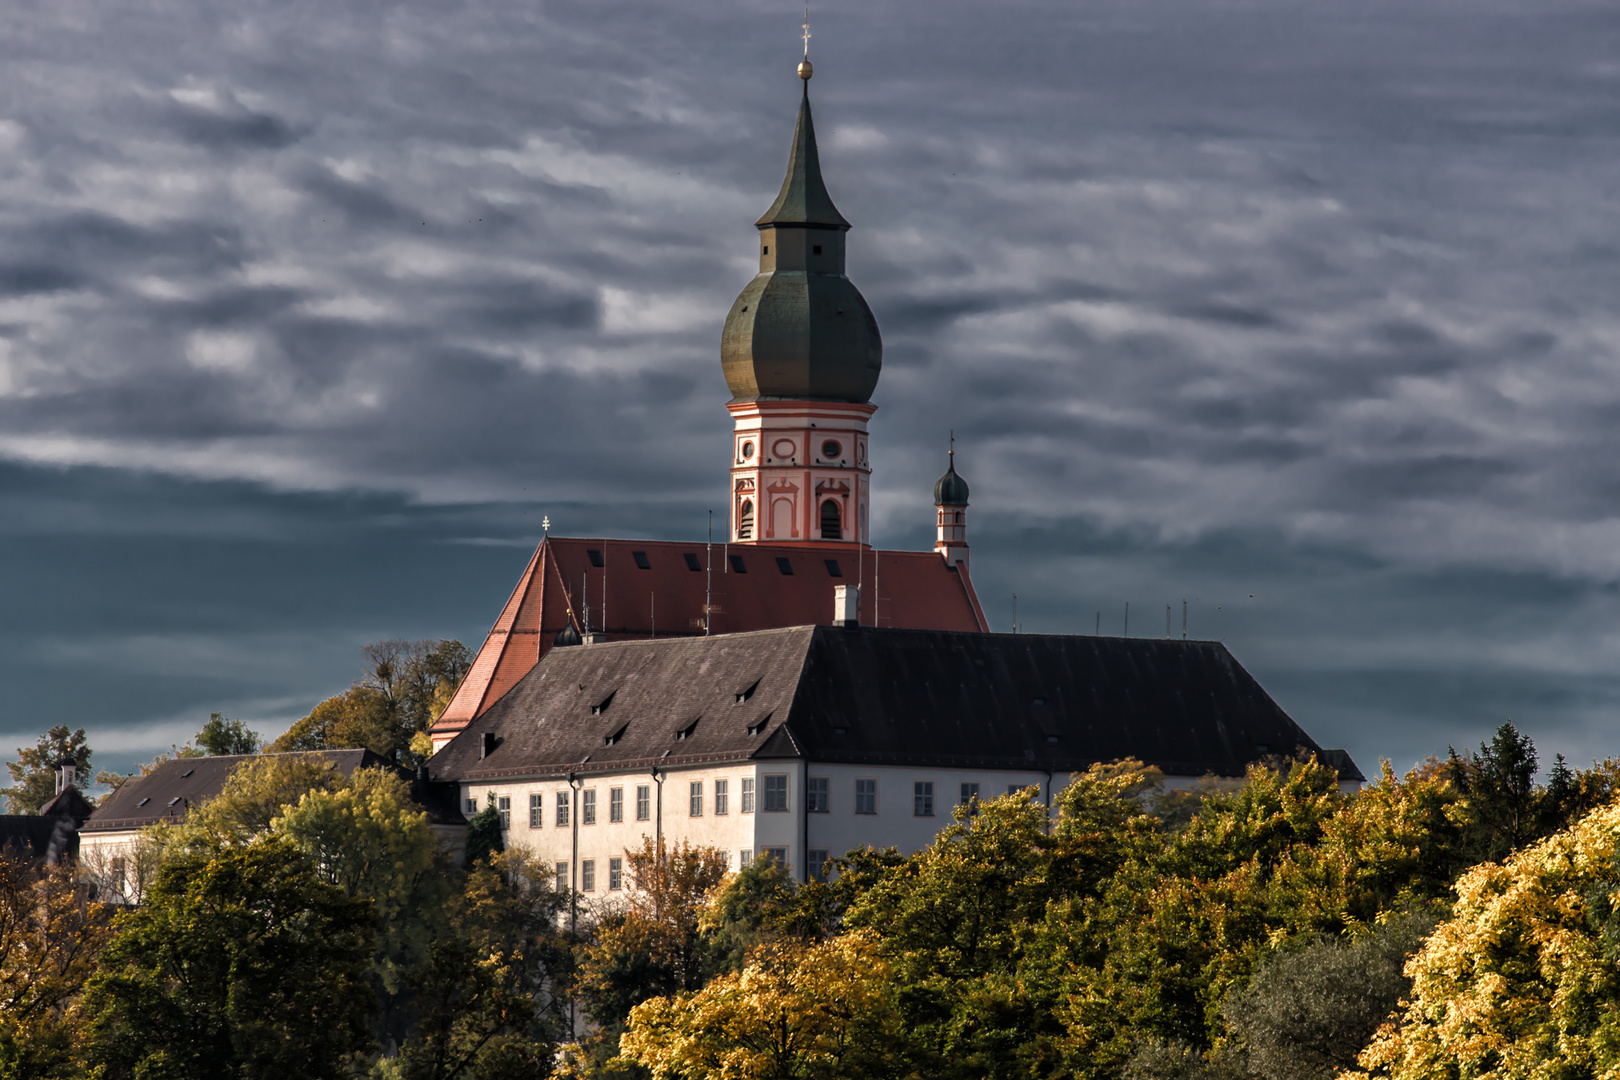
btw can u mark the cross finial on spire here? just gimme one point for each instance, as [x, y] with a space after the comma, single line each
[807, 31]
[806, 68]
[545, 524]
[952, 451]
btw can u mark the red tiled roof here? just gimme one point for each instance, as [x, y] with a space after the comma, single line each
[914, 590]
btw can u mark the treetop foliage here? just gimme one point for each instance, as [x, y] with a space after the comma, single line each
[33, 774]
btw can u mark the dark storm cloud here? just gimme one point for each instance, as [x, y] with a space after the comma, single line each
[1310, 303]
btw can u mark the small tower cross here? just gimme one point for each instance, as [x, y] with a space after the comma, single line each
[807, 31]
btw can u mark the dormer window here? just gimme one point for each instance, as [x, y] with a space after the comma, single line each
[144, 801]
[174, 800]
[686, 732]
[746, 692]
[601, 706]
[612, 740]
[758, 726]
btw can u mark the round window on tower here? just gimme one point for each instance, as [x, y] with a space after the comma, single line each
[830, 449]
[747, 450]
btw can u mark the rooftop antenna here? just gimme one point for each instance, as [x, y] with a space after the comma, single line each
[1127, 618]
[708, 578]
[585, 599]
[1167, 620]
[1015, 613]
[1184, 620]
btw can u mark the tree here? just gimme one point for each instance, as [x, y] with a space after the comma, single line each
[51, 935]
[1498, 785]
[221, 736]
[488, 997]
[1521, 981]
[366, 837]
[483, 836]
[258, 791]
[241, 963]
[1308, 1011]
[33, 774]
[799, 1009]
[406, 686]
[657, 945]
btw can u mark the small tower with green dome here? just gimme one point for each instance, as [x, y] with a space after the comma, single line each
[950, 506]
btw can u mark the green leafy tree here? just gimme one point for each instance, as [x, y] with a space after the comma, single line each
[489, 998]
[240, 963]
[1308, 1011]
[657, 945]
[258, 791]
[798, 1009]
[33, 774]
[483, 836]
[51, 935]
[1522, 980]
[221, 736]
[406, 686]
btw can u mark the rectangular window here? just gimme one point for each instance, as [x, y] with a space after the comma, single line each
[745, 858]
[692, 562]
[587, 875]
[615, 875]
[695, 792]
[587, 807]
[922, 798]
[738, 566]
[641, 560]
[616, 804]
[722, 789]
[776, 793]
[783, 565]
[816, 800]
[970, 794]
[866, 796]
[818, 863]
[537, 809]
[472, 805]
[562, 877]
[747, 795]
[1013, 789]
[503, 805]
[643, 802]
[562, 810]
[595, 555]
[832, 568]
[777, 855]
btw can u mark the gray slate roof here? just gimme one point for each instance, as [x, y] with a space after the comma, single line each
[168, 791]
[881, 696]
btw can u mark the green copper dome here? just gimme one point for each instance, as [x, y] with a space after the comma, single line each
[950, 489]
[801, 329]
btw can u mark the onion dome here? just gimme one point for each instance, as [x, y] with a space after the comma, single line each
[950, 489]
[567, 636]
[801, 329]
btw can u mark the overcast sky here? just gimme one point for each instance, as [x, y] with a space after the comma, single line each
[1304, 314]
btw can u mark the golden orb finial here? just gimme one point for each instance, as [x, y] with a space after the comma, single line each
[806, 69]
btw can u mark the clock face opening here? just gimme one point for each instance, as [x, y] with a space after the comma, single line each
[747, 450]
[831, 449]
[784, 448]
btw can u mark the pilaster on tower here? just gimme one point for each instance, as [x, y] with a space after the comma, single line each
[802, 354]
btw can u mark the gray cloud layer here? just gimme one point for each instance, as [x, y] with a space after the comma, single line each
[1308, 303]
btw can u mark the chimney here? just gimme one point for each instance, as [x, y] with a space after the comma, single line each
[66, 773]
[846, 605]
[488, 746]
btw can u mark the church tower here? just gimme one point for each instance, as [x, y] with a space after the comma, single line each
[801, 353]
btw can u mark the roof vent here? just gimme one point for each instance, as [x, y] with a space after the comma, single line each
[144, 801]
[488, 745]
[187, 773]
[601, 706]
[742, 694]
[686, 732]
[174, 800]
[846, 605]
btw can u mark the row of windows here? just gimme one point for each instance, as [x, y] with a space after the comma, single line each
[587, 875]
[817, 797]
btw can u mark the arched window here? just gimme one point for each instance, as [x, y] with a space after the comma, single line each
[831, 522]
[745, 521]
